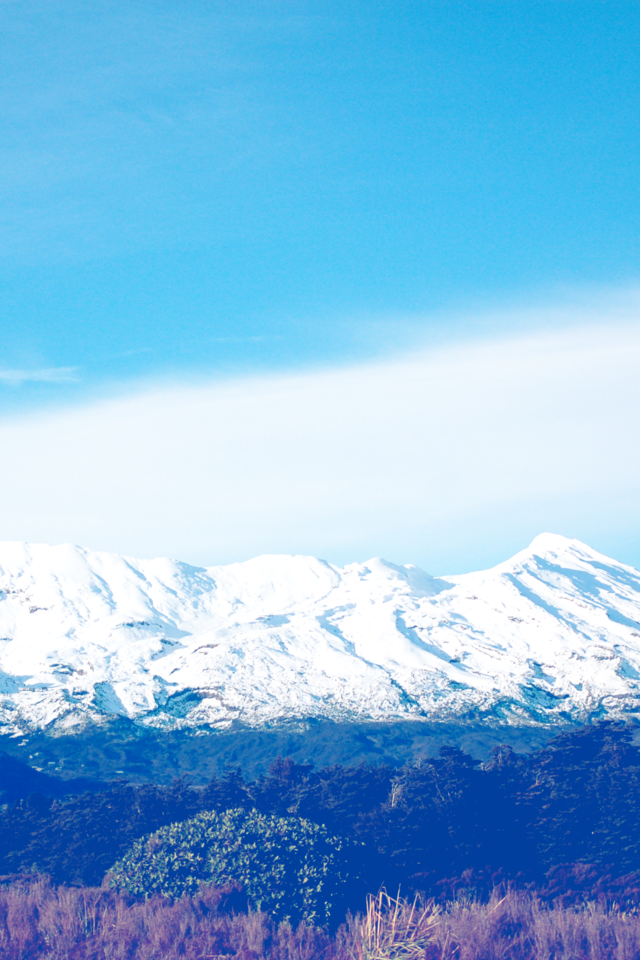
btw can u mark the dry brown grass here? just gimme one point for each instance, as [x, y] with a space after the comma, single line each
[41, 922]
[394, 929]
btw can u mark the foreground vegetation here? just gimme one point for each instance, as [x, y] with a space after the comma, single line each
[40, 921]
[119, 872]
[291, 868]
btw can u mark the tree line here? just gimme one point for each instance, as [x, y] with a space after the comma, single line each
[563, 819]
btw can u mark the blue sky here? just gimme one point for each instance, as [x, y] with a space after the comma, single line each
[198, 195]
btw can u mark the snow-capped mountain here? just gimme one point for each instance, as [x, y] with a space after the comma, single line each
[549, 636]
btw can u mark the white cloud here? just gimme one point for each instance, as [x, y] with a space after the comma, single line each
[422, 458]
[49, 375]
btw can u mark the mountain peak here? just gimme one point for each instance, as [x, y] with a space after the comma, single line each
[557, 548]
[553, 542]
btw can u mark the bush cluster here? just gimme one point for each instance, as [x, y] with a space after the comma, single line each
[289, 867]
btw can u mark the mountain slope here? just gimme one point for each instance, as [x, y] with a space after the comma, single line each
[551, 635]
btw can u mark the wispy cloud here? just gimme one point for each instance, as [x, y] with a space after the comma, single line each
[262, 338]
[46, 375]
[449, 457]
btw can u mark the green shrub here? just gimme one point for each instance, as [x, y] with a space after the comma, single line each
[289, 867]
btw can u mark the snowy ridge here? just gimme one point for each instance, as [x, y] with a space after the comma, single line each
[552, 634]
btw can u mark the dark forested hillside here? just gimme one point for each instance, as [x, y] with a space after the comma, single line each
[18, 780]
[564, 818]
[121, 748]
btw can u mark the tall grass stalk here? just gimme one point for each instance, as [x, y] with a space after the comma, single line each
[394, 929]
